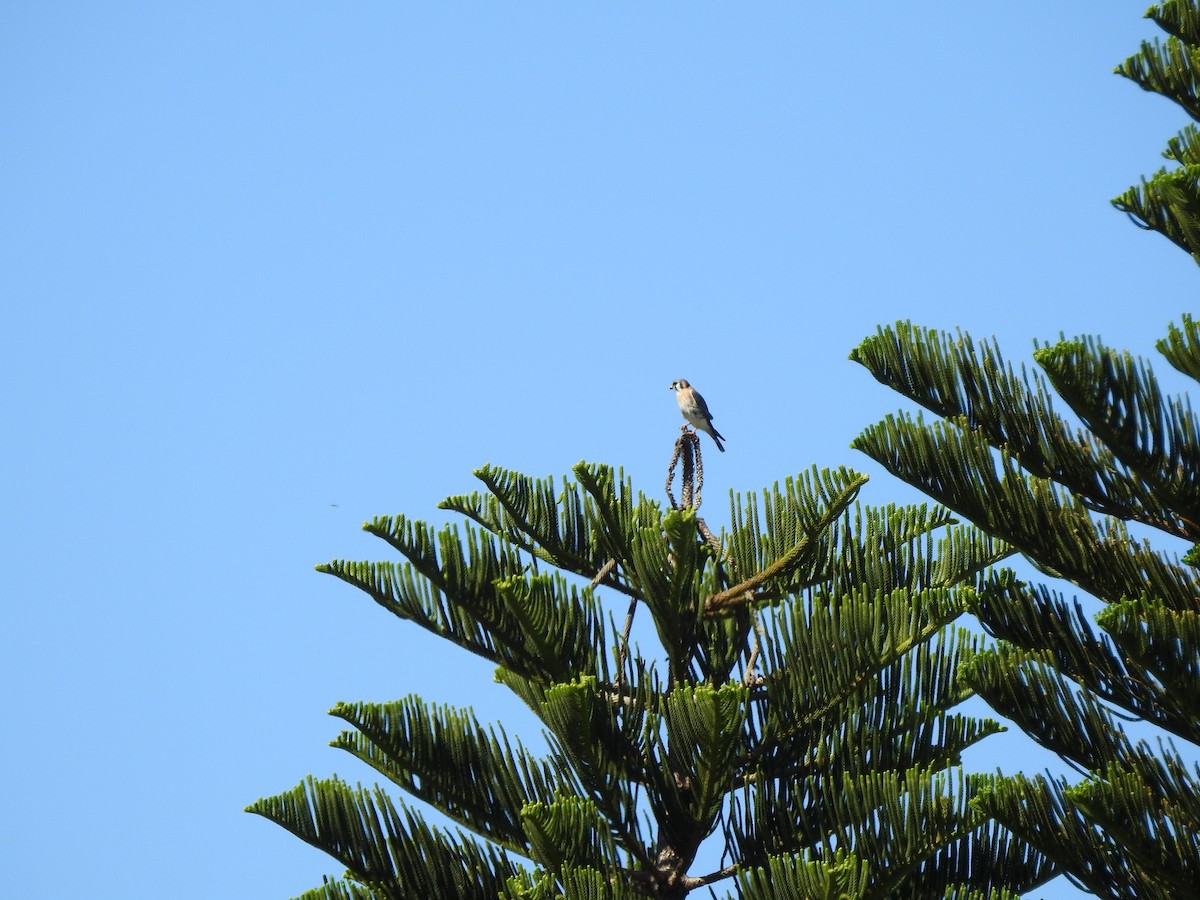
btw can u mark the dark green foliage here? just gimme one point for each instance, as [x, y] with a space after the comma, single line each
[797, 707]
[391, 855]
[1061, 491]
[1169, 201]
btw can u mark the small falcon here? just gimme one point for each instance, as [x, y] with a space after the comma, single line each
[695, 410]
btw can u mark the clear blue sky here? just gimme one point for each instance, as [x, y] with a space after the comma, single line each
[270, 269]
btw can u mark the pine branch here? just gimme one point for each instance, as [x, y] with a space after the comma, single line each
[1040, 811]
[704, 734]
[1049, 525]
[1048, 706]
[1181, 347]
[826, 659]
[481, 597]
[792, 875]
[605, 743]
[803, 551]
[972, 387]
[527, 513]
[1161, 646]
[394, 856]
[666, 563]
[1156, 829]
[1042, 622]
[1178, 18]
[445, 757]
[1169, 68]
[339, 890]
[1157, 442]
[1169, 203]
[569, 833]
[921, 825]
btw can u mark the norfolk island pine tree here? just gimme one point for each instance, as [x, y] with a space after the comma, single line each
[798, 709]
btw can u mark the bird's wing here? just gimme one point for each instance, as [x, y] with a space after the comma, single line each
[699, 406]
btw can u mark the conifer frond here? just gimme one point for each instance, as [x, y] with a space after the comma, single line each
[1156, 831]
[783, 556]
[666, 566]
[1157, 441]
[1177, 18]
[793, 875]
[797, 513]
[1184, 147]
[340, 890]
[481, 597]
[933, 742]
[1181, 346]
[569, 832]
[1170, 68]
[1048, 706]
[400, 591]
[556, 527]
[393, 855]
[972, 386]
[823, 658]
[899, 720]
[919, 830]
[1169, 203]
[1042, 621]
[618, 513]
[1051, 526]
[578, 883]
[1150, 807]
[562, 627]
[985, 864]
[883, 548]
[1161, 645]
[721, 645]
[586, 883]
[902, 819]
[606, 739]
[965, 552]
[704, 731]
[1170, 778]
[1039, 811]
[888, 722]
[444, 756]
[528, 885]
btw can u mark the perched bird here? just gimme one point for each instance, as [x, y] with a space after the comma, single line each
[695, 410]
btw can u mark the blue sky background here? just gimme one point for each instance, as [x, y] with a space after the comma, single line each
[270, 269]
